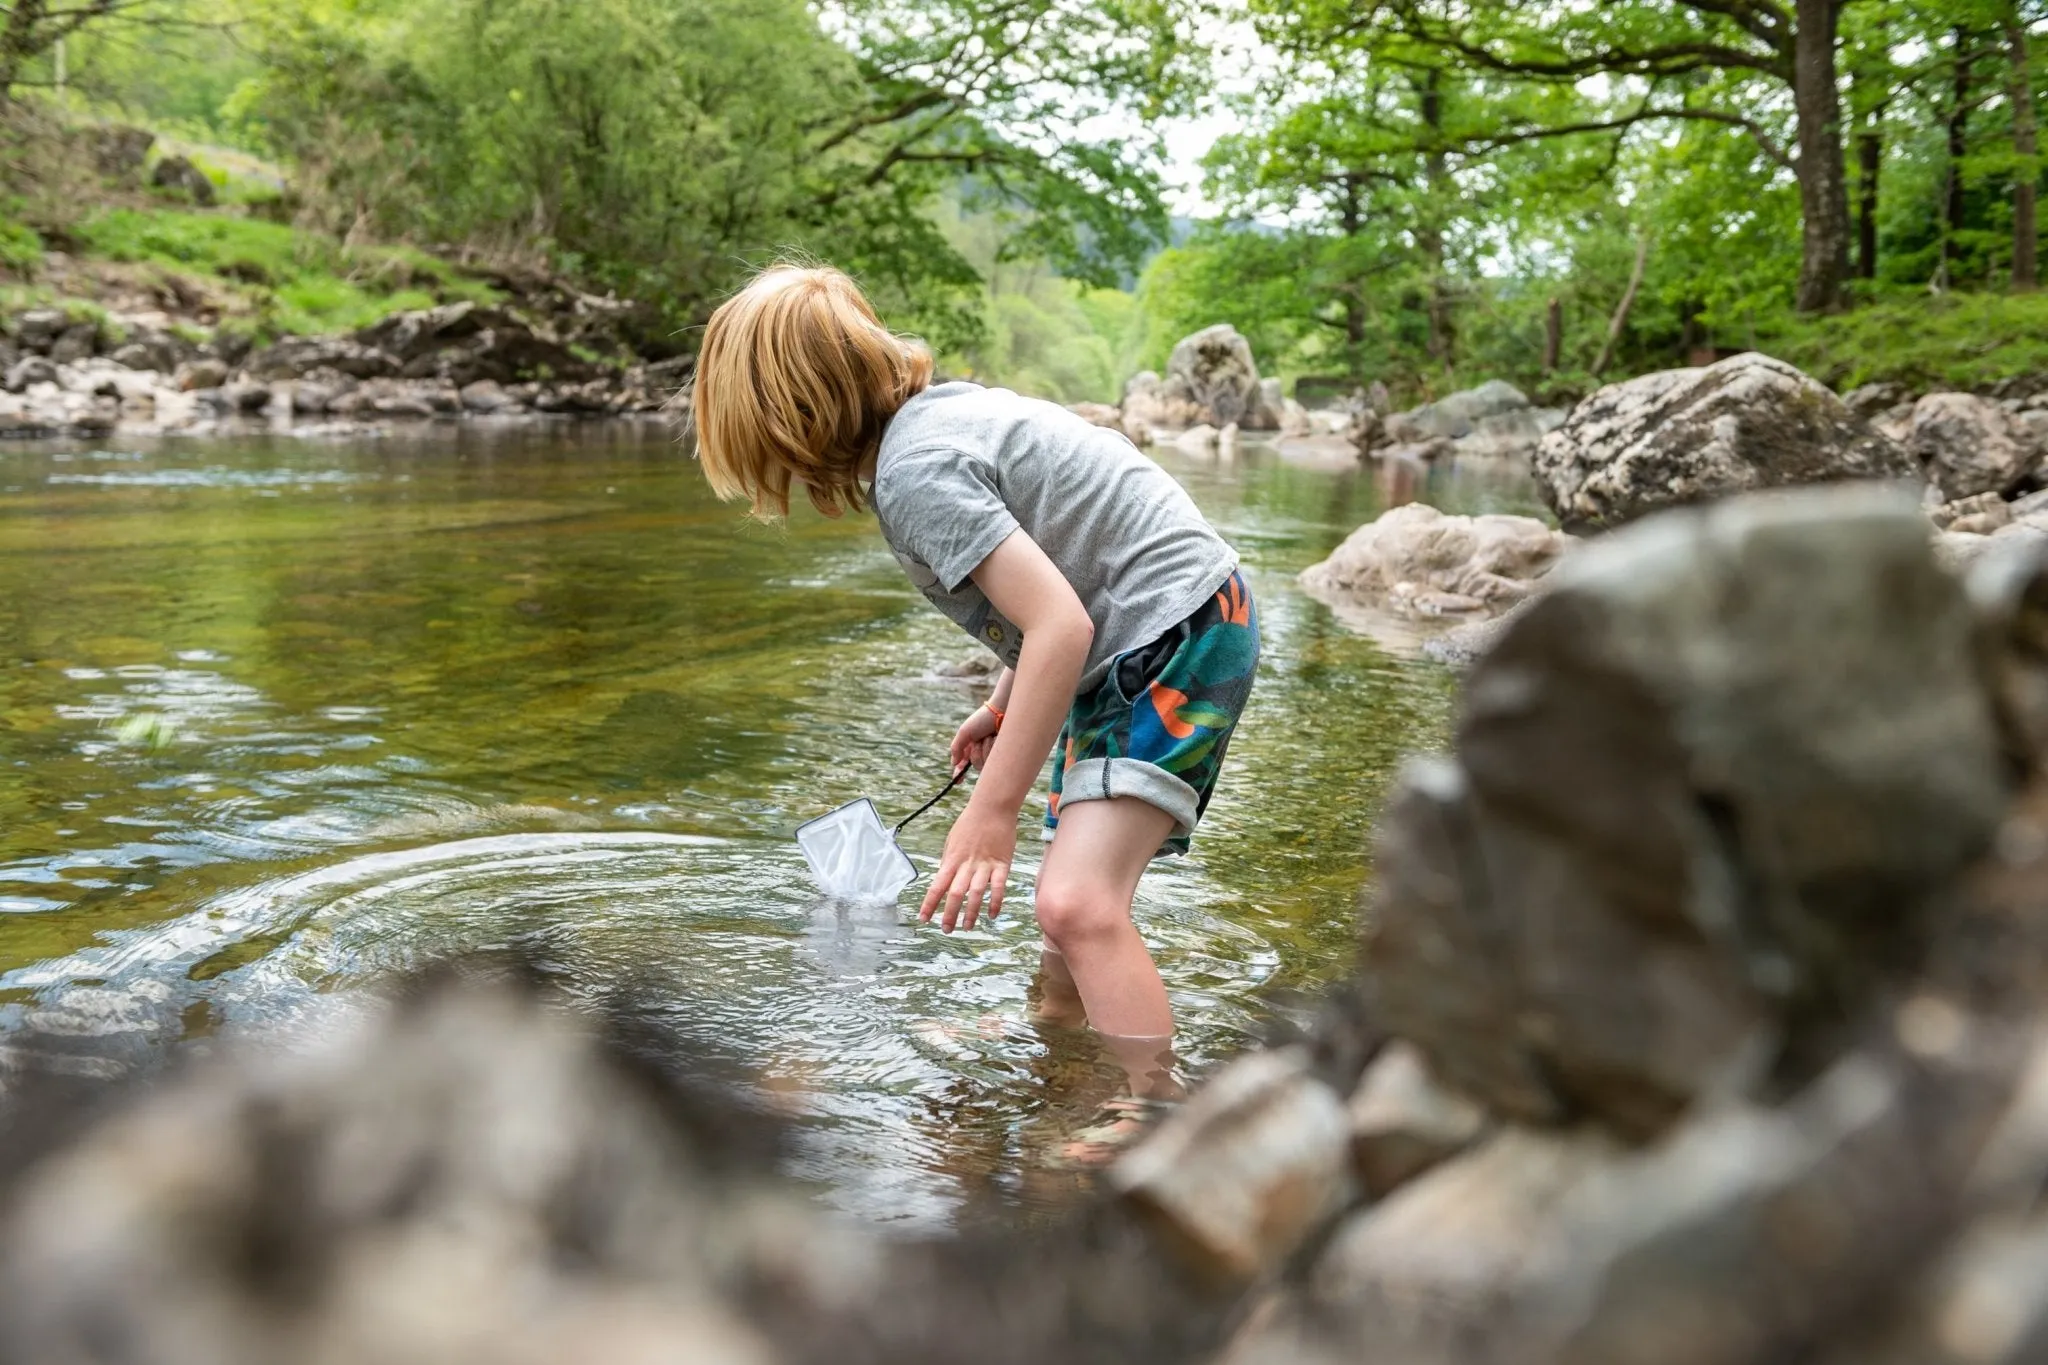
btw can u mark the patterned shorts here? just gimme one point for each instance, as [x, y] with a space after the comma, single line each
[1157, 726]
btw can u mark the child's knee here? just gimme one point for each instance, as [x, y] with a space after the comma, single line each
[1073, 913]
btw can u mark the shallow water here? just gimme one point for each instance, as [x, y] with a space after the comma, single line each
[277, 716]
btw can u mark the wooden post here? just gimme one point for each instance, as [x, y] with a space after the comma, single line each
[1553, 336]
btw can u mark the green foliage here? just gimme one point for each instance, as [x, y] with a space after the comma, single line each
[1966, 341]
[298, 281]
[663, 147]
[20, 247]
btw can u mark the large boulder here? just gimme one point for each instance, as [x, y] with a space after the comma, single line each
[179, 175]
[296, 357]
[1416, 561]
[1686, 436]
[465, 342]
[1210, 378]
[1459, 414]
[1217, 368]
[1707, 787]
[1969, 445]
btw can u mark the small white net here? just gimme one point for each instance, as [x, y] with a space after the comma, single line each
[852, 857]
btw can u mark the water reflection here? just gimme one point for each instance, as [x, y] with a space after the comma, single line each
[278, 716]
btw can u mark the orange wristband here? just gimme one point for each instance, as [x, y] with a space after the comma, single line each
[995, 711]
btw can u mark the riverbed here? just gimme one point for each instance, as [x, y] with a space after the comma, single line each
[278, 716]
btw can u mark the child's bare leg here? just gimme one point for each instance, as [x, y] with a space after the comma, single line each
[1085, 888]
[1055, 999]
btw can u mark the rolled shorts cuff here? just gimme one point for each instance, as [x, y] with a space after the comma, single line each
[1099, 779]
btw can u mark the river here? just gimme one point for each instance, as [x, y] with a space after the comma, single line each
[279, 715]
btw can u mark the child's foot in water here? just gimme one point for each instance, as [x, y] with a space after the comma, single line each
[1118, 1126]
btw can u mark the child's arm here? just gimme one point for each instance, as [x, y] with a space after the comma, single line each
[1026, 587]
[977, 734]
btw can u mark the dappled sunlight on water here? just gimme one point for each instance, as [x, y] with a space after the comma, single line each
[277, 717]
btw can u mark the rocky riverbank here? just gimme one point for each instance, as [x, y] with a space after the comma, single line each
[62, 375]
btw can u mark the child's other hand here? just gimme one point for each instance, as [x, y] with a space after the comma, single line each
[975, 737]
[976, 864]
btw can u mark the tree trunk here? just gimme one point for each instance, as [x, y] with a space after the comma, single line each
[1958, 147]
[18, 42]
[1823, 179]
[1431, 235]
[1628, 302]
[2026, 175]
[1869, 163]
[1350, 217]
[1553, 336]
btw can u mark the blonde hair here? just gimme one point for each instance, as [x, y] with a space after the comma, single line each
[796, 381]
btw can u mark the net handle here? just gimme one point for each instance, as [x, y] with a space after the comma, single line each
[944, 792]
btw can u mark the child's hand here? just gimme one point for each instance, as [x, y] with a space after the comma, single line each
[975, 737]
[976, 863]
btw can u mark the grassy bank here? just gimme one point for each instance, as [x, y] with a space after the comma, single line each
[262, 278]
[1925, 342]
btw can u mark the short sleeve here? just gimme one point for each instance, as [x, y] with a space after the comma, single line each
[942, 507]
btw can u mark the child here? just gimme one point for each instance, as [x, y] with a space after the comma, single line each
[1127, 634]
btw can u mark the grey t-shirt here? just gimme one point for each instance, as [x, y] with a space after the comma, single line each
[962, 467]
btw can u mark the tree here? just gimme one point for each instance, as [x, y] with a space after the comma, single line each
[1721, 61]
[29, 29]
[662, 146]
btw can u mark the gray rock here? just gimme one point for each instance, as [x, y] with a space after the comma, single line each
[1214, 369]
[1870, 401]
[1155, 404]
[1686, 436]
[203, 373]
[1754, 1231]
[1981, 514]
[1449, 1253]
[1458, 415]
[137, 355]
[487, 396]
[1510, 433]
[179, 175]
[467, 1177]
[320, 391]
[78, 342]
[246, 397]
[1416, 561]
[1970, 445]
[1671, 836]
[465, 342]
[1403, 1122]
[299, 356]
[38, 328]
[34, 369]
[1253, 1164]
[119, 150]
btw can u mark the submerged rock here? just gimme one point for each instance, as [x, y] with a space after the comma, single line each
[1686, 436]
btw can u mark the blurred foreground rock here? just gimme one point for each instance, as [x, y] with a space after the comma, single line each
[480, 1177]
[1706, 979]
